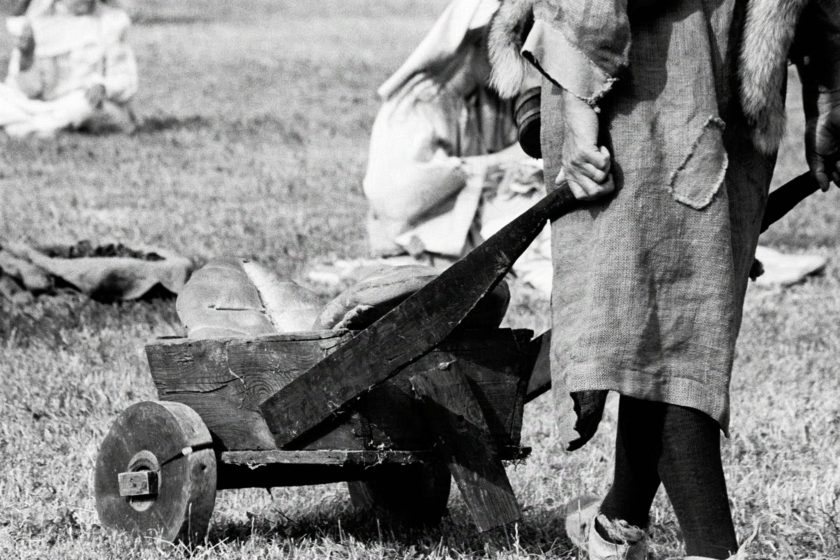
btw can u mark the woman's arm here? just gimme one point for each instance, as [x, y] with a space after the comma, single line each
[818, 49]
[581, 47]
[586, 166]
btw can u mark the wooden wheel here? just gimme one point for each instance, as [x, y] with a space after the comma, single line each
[156, 473]
[413, 494]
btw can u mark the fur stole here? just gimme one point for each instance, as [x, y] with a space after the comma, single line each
[508, 29]
[768, 35]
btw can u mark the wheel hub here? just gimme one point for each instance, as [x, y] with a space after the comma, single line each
[139, 483]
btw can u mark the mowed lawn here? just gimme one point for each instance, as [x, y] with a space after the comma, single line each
[255, 120]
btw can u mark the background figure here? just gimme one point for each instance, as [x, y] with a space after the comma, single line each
[445, 170]
[72, 68]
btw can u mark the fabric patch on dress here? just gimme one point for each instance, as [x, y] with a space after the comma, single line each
[701, 174]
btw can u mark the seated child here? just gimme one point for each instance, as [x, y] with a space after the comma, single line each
[72, 69]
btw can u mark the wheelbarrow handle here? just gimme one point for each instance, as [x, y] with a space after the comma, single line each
[783, 199]
[408, 331]
[779, 203]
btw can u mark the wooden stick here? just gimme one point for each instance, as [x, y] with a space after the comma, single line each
[783, 199]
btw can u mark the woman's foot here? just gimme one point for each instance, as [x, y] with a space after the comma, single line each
[603, 539]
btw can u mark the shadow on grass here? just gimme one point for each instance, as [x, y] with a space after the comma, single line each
[541, 533]
[152, 125]
[291, 133]
[151, 20]
[59, 320]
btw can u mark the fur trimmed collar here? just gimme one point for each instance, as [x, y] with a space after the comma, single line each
[768, 35]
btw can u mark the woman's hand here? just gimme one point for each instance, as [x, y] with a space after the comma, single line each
[586, 167]
[822, 138]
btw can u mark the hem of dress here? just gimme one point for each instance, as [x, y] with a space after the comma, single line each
[680, 391]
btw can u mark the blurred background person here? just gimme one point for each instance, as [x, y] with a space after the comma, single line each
[72, 68]
[445, 170]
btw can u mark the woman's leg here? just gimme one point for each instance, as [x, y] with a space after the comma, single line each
[681, 447]
[691, 471]
[637, 451]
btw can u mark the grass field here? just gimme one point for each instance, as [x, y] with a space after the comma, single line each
[253, 140]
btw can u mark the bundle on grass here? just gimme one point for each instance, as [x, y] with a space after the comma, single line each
[104, 271]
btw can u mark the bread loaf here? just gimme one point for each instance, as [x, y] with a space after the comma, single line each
[234, 297]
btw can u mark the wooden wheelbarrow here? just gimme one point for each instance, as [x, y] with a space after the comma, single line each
[394, 409]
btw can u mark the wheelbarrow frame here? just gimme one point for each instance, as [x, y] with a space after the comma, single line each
[457, 410]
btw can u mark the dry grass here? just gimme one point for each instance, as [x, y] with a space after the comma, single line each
[253, 142]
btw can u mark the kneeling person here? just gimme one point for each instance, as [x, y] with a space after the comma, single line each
[445, 170]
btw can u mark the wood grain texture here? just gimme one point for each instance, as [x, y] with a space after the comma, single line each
[225, 381]
[339, 457]
[455, 415]
[407, 332]
[275, 475]
[171, 440]
[494, 361]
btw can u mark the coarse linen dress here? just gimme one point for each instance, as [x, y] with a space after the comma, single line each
[649, 283]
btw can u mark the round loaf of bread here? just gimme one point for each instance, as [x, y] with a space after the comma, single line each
[233, 297]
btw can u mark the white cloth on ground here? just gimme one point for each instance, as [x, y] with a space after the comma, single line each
[781, 270]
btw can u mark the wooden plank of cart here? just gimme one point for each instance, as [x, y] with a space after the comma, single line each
[457, 410]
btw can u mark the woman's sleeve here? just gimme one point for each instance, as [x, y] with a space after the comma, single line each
[817, 46]
[411, 166]
[580, 45]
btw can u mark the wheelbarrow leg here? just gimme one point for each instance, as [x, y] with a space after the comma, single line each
[454, 413]
[540, 380]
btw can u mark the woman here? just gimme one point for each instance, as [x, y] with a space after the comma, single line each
[445, 169]
[642, 116]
